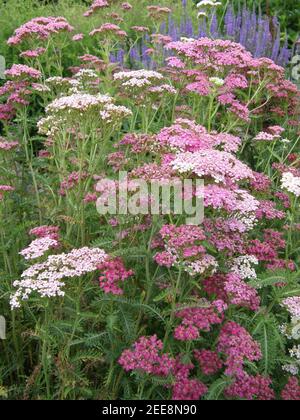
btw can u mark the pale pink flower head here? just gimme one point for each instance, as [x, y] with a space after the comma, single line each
[21, 71]
[33, 53]
[40, 28]
[5, 189]
[126, 6]
[77, 37]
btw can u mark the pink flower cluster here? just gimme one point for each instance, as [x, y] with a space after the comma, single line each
[21, 71]
[291, 391]
[251, 388]
[8, 145]
[184, 387]
[195, 319]
[71, 181]
[228, 235]
[268, 250]
[292, 304]
[182, 244]
[109, 29]
[113, 272]
[232, 200]
[237, 345]
[158, 12]
[147, 357]
[45, 231]
[272, 133]
[4, 189]
[240, 293]
[209, 361]
[214, 57]
[186, 136]
[96, 5]
[221, 166]
[260, 182]
[47, 238]
[40, 28]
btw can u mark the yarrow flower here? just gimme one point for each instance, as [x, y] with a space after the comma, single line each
[45, 231]
[187, 136]
[40, 28]
[240, 293]
[33, 53]
[237, 345]
[208, 3]
[45, 278]
[183, 249]
[113, 272]
[39, 247]
[96, 5]
[209, 361]
[242, 266]
[22, 71]
[292, 304]
[8, 145]
[291, 391]
[137, 81]
[195, 319]
[186, 388]
[291, 183]
[147, 356]
[221, 166]
[109, 29]
[5, 189]
[251, 388]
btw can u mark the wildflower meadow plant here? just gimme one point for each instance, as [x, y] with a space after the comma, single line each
[149, 208]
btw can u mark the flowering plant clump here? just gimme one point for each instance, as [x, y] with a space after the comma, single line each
[156, 169]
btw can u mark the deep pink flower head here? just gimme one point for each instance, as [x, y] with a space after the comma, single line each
[186, 388]
[195, 319]
[45, 231]
[113, 272]
[147, 356]
[237, 345]
[209, 361]
[249, 387]
[291, 391]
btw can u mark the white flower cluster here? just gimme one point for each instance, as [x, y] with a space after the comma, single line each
[291, 331]
[86, 74]
[49, 125]
[81, 107]
[38, 248]
[208, 262]
[208, 3]
[294, 367]
[111, 111]
[291, 368]
[242, 266]
[138, 79]
[217, 81]
[248, 220]
[291, 183]
[205, 5]
[138, 74]
[163, 89]
[78, 101]
[295, 352]
[46, 278]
